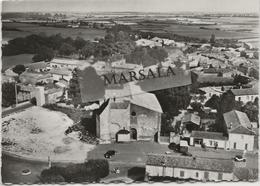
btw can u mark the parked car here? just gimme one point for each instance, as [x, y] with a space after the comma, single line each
[239, 158]
[186, 154]
[109, 154]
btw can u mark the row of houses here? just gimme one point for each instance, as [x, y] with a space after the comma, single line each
[183, 167]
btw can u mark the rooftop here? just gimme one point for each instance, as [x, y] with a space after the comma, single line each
[66, 61]
[234, 119]
[191, 118]
[38, 65]
[61, 71]
[217, 165]
[245, 91]
[208, 135]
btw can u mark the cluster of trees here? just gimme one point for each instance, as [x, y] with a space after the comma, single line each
[44, 47]
[147, 56]
[116, 41]
[225, 103]
[8, 94]
[172, 103]
[90, 171]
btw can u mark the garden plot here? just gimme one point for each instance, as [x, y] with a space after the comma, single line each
[38, 133]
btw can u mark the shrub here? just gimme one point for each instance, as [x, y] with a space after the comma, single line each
[52, 175]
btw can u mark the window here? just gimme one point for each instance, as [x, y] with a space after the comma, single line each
[210, 143]
[197, 174]
[246, 146]
[181, 173]
[235, 145]
[239, 98]
[220, 175]
[133, 113]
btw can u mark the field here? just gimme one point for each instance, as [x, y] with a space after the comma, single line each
[14, 30]
[226, 27]
[9, 61]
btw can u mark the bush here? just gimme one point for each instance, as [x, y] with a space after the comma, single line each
[33, 101]
[52, 175]
[90, 171]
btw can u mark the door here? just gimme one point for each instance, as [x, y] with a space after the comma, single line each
[235, 145]
[133, 134]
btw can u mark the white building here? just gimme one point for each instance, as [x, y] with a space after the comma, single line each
[210, 139]
[68, 63]
[184, 167]
[61, 73]
[240, 134]
[245, 95]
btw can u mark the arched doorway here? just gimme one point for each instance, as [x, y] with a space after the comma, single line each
[133, 134]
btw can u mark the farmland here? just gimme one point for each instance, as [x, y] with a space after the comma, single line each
[14, 30]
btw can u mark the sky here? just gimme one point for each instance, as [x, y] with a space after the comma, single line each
[242, 6]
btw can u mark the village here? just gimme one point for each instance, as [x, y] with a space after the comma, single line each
[143, 105]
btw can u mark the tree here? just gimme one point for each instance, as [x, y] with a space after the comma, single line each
[239, 80]
[196, 106]
[213, 102]
[18, 69]
[158, 53]
[212, 39]
[8, 94]
[79, 43]
[251, 111]
[43, 54]
[66, 49]
[88, 50]
[74, 88]
[243, 54]
[51, 176]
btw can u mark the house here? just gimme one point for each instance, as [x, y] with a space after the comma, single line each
[183, 167]
[61, 74]
[140, 114]
[35, 77]
[245, 95]
[208, 92]
[45, 95]
[68, 63]
[210, 139]
[147, 43]
[190, 122]
[239, 128]
[38, 67]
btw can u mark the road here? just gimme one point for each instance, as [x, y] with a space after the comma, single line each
[16, 109]
[130, 159]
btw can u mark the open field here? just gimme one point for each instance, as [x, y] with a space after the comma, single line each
[10, 61]
[32, 136]
[14, 30]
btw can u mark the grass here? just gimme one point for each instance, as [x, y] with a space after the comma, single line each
[28, 29]
[10, 61]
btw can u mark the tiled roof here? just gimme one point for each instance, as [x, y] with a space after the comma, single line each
[236, 118]
[242, 130]
[147, 100]
[38, 65]
[208, 135]
[61, 71]
[191, 118]
[206, 164]
[245, 91]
